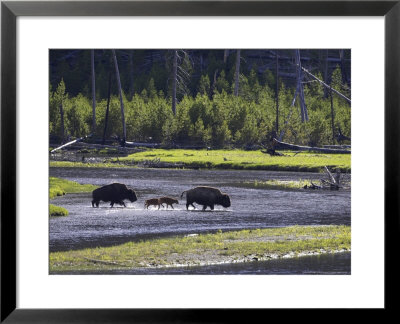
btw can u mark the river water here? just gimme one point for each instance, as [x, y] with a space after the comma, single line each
[251, 207]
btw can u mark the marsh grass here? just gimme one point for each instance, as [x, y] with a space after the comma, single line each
[241, 245]
[70, 164]
[57, 211]
[241, 159]
[59, 187]
[279, 184]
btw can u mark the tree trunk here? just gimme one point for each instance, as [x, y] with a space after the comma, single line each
[303, 107]
[226, 53]
[93, 95]
[326, 93]
[288, 146]
[327, 86]
[62, 122]
[131, 89]
[237, 73]
[174, 76]
[277, 94]
[108, 108]
[332, 118]
[120, 97]
[343, 66]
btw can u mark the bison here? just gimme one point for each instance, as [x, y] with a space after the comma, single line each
[169, 201]
[115, 193]
[206, 196]
[152, 202]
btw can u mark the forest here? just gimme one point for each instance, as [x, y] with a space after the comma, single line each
[210, 98]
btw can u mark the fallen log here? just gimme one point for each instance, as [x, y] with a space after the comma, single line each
[334, 182]
[69, 143]
[287, 146]
[312, 186]
[337, 147]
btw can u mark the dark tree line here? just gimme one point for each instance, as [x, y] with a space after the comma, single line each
[213, 97]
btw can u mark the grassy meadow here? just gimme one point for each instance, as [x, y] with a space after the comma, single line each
[212, 248]
[242, 159]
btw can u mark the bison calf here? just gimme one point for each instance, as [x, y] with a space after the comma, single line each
[115, 193]
[152, 202]
[206, 196]
[169, 201]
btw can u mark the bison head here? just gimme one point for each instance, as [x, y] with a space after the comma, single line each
[131, 195]
[225, 201]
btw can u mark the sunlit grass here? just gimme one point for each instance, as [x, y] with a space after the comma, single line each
[279, 184]
[59, 187]
[57, 211]
[70, 164]
[190, 250]
[240, 159]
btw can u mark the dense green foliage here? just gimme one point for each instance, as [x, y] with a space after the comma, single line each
[207, 112]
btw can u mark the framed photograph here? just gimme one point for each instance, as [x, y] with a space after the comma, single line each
[162, 159]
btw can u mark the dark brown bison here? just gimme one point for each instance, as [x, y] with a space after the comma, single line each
[152, 202]
[169, 201]
[206, 196]
[115, 193]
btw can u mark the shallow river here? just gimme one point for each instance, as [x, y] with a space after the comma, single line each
[250, 207]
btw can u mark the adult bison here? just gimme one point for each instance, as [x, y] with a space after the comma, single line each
[206, 196]
[115, 193]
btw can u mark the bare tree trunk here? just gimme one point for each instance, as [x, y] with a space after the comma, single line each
[332, 119]
[287, 146]
[226, 53]
[277, 93]
[342, 66]
[326, 92]
[120, 97]
[62, 122]
[174, 76]
[131, 74]
[108, 108]
[93, 95]
[237, 73]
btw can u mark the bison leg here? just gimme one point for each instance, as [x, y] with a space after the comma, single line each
[212, 207]
[204, 207]
[188, 204]
[171, 206]
[112, 204]
[122, 203]
[97, 204]
[93, 203]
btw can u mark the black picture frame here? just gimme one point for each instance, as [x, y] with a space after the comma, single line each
[10, 10]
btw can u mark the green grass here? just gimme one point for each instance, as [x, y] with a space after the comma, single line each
[69, 164]
[57, 211]
[240, 159]
[203, 248]
[59, 187]
[279, 184]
